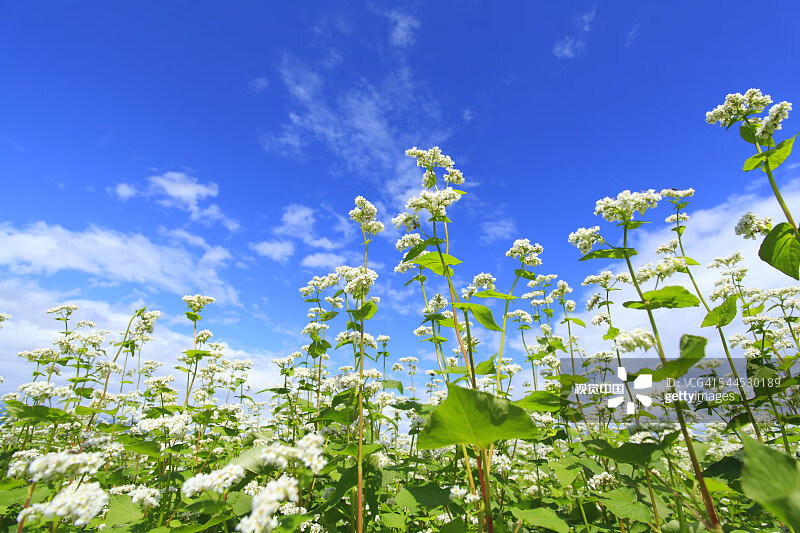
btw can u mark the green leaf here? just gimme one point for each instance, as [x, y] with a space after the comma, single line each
[772, 479]
[490, 293]
[393, 384]
[142, 447]
[39, 413]
[394, 520]
[541, 517]
[252, 460]
[121, 510]
[419, 248]
[693, 349]
[351, 450]
[748, 310]
[613, 253]
[723, 314]
[748, 133]
[640, 454]
[366, 312]
[774, 157]
[426, 496]
[482, 314]
[473, 417]
[433, 262]
[486, 367]
[671, 297]
[781, 250]
[540, 401]
[624, 503]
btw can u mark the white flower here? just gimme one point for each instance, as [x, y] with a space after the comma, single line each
[197, 302]
[772, 122]
[682, 217]
[621, 208]
[59, 465]
[677, 194]
[484, 281]
[526, 252]
[66, 308]
[749, 226]
[145, 495]
[411, 222]
[3, 318]
[266, 503]
[217, 481]
[203, 336]
[629, 341]
[736, 105]
[77, 504]
[365, 213]
[435, 202]
[584, 238]
[407, 241]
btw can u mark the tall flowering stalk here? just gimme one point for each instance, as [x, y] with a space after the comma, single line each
[364, 213]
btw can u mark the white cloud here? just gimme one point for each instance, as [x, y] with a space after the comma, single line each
[257, 85]
[279, 251]
[124, 191]
[177, 189]
[467, 115]
[298, 221]
[112, 256]
[585, 20]
[570, 46]
[402, 34]
[632, 35]
[327, 260]
[365, 122]
[496, 230]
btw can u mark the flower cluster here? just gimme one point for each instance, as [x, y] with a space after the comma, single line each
[197, 302]
[78, 504]
[622, 208]
[584, 238]
[526, 252]
[365, 213]
[308, 451]
[217, 481]
[61, 465]
[266, 503]
[736, 106]
[749, 226]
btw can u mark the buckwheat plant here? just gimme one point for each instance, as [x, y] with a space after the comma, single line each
[95, 442]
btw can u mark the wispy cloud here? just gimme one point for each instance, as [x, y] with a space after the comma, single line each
[279, 251]
[125, 191]
[257, 85]
[299, 221]
[365, 121]
[496, 230]
[178, 189]
[570, 46]
[403, 29]
[116, 257]
[632, 35]
[467, 115]
[327, 260]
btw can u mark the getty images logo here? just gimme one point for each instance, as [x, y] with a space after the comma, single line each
[642, 382]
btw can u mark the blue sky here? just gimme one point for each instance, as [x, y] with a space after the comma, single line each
[154, 149]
